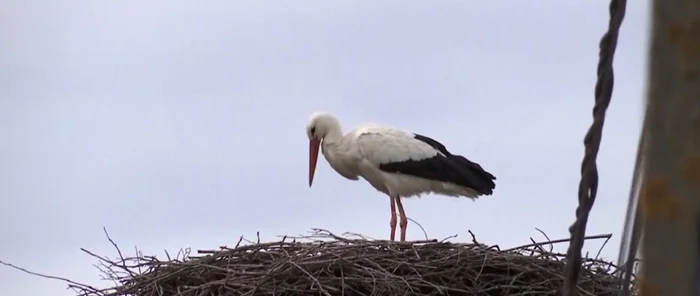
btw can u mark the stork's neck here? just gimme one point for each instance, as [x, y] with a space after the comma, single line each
[334, 136]
[336, 149]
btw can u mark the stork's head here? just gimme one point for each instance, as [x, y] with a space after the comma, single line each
[319, 126]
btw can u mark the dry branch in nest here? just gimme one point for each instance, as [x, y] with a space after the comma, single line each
[325, 264]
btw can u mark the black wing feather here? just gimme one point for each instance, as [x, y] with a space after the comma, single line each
[447, 167]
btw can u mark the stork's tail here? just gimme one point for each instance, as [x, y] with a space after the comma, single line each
[481, 180]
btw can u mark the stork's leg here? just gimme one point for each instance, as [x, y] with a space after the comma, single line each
[404, 220]
[392, 222]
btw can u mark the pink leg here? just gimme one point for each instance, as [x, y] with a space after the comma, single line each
[404, 219]
[392, 222]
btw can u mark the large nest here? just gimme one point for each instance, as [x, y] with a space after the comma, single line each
[326, 264]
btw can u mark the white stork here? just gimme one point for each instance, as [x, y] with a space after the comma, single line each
[395, 162]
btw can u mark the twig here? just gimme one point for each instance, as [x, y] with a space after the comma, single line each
[473, 237]
[597, 256]
[72, 283]
[551, 246]
[607, 236]
[421, 227]
[122, 262]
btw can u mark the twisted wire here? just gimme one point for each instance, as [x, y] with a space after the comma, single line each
[588, 185]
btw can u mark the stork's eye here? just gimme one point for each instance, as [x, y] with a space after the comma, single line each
[313, 130]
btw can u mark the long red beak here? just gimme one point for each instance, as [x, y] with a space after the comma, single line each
[313, 157]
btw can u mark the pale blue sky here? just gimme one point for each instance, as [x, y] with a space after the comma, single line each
[181, 123]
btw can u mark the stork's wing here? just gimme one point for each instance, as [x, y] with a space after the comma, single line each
[382, 145]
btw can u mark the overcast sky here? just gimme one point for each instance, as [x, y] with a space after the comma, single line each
[181, 123]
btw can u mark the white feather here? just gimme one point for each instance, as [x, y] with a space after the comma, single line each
[381, 145]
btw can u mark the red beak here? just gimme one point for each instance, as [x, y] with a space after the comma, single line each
[313, 157]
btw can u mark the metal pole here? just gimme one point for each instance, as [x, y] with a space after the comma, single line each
[632, 232]
[670, 194]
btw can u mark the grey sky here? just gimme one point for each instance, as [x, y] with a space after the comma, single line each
[181, 123]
